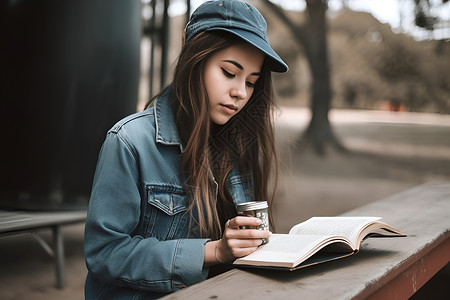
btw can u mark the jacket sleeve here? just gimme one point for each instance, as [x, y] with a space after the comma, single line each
[112, 254]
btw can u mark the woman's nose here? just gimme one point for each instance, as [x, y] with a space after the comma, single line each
[239, 91]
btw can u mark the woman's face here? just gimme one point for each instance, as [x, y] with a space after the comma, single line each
[230, 76]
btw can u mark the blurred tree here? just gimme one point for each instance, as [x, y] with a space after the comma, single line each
[311, 35]
[392, 67]
[423, 16]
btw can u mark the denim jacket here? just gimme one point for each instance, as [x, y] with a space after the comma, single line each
[137, 244]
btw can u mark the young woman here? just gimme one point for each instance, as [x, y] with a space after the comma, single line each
[163, 206]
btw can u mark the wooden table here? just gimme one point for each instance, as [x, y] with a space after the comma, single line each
[385, 268]
[15, 222]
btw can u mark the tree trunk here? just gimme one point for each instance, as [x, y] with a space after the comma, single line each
[319, 132]
[312, 37]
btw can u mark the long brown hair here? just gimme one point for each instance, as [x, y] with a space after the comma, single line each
[246, 141]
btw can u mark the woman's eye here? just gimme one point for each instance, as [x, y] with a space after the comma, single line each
[250, 84]
[227, 74]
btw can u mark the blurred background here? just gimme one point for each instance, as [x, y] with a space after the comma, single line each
[363, 112]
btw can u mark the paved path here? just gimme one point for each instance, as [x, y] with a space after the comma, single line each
[389, 152]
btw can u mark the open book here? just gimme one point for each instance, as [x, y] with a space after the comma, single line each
[317, 240]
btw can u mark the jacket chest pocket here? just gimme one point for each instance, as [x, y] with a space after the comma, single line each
[167, 216]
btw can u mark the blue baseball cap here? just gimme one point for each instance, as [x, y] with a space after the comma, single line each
[238, 18]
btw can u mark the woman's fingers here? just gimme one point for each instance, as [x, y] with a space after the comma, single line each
[233, 248]
[247, 234]
[238, 221]
[237, 242]
[243, 243]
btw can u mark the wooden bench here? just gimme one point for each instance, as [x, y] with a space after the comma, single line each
[384, 268]
[15, 222]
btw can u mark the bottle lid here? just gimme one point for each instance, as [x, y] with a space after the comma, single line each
[254, 205]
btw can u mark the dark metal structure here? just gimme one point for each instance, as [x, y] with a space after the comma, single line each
[69, 70]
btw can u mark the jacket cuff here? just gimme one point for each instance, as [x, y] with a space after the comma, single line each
[188, 262]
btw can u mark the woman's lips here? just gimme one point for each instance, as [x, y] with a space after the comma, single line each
[229, 109]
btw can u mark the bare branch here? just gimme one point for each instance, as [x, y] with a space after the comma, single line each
[298, 31]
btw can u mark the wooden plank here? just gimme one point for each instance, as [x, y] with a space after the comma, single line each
[422, 212]
[409, 281]
[16, 221]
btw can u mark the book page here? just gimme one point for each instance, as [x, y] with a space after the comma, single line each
[286, 250]
[349, 227]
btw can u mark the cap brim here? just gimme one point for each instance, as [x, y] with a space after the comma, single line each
[276, 63]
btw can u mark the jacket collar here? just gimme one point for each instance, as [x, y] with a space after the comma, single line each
[166, 128]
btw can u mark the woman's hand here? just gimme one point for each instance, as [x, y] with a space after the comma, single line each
[238, 242]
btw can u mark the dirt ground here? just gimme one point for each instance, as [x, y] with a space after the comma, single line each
[388, 153]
